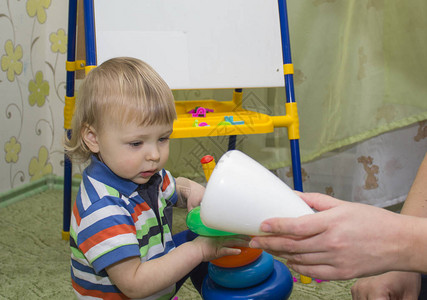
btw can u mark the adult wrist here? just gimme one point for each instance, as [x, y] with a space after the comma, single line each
[412, 244]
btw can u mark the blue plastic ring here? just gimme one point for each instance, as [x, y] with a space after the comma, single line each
[244, 276]
[276, 287]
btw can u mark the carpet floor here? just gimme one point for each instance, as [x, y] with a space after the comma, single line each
[35, 261]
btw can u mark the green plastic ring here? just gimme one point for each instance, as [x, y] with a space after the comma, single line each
[195, 224]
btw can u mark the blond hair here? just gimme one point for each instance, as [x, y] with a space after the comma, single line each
[120, 90]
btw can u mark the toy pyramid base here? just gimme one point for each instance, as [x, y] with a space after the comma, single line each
[278, 286]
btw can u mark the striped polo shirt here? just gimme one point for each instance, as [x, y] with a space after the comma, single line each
[112, 221]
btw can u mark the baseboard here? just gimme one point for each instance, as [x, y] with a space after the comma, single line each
[35, 187]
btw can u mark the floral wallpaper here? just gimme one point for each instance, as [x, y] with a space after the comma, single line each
[33, 44]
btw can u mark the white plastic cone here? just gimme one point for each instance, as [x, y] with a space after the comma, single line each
[241, 193]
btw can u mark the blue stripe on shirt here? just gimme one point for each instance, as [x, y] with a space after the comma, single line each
[110, 258]
[93, 286]
[106, 222]
[84, 268]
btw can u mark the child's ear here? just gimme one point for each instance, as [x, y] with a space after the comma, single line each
[90, 138]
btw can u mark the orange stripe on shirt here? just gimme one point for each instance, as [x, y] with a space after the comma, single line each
[76, 214]
[138, 209]
[166, 182]
[106, 234]
[97, 294]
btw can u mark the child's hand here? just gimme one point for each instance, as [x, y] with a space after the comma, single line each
[216, 247]
[195, 195]
[189, 192]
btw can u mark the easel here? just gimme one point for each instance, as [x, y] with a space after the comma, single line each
[254, 123]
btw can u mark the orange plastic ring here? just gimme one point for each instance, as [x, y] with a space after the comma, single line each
[247, 256]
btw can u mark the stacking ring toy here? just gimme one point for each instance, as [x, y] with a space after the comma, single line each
[195, 224]
[276, 287]
[245, 276]
[247, 256]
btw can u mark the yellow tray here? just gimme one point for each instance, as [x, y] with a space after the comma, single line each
[187, 126]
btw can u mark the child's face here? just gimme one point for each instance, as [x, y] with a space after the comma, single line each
[131, 151]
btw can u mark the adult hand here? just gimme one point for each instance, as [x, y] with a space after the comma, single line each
[388, 286]
[343, 240]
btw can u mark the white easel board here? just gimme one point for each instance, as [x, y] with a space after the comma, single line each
[195, 43]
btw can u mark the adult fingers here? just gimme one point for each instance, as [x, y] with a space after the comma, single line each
[391, 285]
[307, 225]
[363, 289]
[320, 202]
[287, 245]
